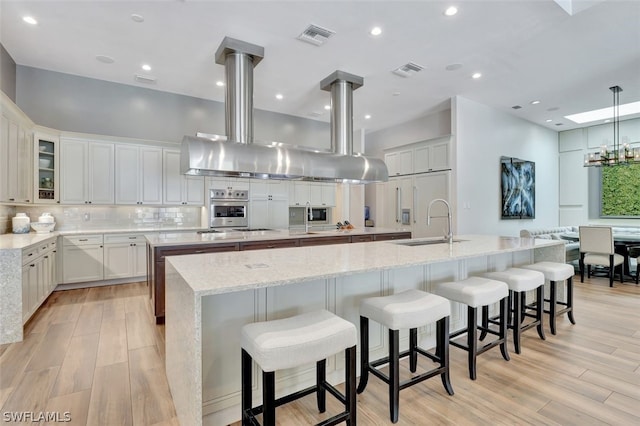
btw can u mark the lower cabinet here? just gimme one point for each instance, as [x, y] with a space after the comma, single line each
[96, 257]
[38, 276]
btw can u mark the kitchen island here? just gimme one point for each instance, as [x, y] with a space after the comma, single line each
[211, 296]
[159, 246]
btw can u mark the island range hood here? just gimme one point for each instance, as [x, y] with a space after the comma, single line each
[236, 155]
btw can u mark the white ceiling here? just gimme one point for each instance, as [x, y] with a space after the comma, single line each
[525, 50]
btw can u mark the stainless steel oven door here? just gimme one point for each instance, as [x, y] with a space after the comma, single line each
[228, 213]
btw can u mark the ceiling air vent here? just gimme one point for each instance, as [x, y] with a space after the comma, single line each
[516, 107]
[144, 79]
[316, 35]
[407, 70]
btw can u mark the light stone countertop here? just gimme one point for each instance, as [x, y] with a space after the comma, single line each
[246, 270]
[21, 241]
[176, 239]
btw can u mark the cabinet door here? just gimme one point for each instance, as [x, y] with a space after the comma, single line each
[127, 173]
[259, 213]
[4, 158]
[329, 194]
[100, 177]
[25, 292]
[173, 180]
[34, 274]
[405, 159]
[421, 159]
[315, 194]
[392, 212]
[74, 162]
[391, 160]
[301, 193]
[82, 263]
[46, 183]
[279, 189]
[24, 189]
[428, 187]
[150, 175]
[139, 254]
[278, 214]
[194, 190]
[439, 156]
[118, 262]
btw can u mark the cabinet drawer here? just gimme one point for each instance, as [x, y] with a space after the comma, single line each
[82, 240]
[261, 245]
[124, 238]
[396, 236]
[321, 241]
[30, 253]
[161, 253]
[361, 238]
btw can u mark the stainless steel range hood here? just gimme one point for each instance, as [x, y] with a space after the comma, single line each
[237, 155]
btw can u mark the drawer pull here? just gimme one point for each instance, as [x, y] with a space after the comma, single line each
[199, 251]
[132, 238]
[46, 257]
[83, 239]
[271, 246]
[30, 254]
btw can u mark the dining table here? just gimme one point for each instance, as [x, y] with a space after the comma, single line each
[622, 241]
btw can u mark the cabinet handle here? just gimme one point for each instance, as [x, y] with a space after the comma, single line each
[46, 257]
[132, 238]
[199, 251]
[30, 254]
[32, 265]
[415, 203]
[12, 199]
[83, 239]
[100, 246]
[271, 246]
[55, 251]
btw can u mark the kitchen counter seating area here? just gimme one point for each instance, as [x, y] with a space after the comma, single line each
[210, 297]
[159, 246]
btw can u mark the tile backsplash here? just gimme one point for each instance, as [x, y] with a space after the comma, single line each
[74, 218]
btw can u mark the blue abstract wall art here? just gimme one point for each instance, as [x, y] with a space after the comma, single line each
[518, 179]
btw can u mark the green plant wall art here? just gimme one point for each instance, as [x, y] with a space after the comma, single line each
[621, 190]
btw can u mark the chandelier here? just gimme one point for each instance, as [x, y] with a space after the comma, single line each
[617, 154]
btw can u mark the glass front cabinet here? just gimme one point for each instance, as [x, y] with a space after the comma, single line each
[47, 168]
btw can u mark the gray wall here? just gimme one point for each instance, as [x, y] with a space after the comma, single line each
[7, 74]
[79, 104]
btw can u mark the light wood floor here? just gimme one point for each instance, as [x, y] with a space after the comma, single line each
[97, 354]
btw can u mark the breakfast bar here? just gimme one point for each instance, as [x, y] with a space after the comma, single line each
[209, 297]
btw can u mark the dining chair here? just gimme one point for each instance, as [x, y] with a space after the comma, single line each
[597, 249]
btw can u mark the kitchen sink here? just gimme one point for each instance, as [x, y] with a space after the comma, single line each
[426, 242]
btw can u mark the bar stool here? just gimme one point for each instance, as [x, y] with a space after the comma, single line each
[519, 281]
[407, 310]
[554, 272]
[475, 292]
[291, 342]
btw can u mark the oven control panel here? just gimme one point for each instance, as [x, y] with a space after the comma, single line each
[229, 194]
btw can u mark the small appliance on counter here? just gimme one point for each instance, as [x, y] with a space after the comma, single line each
[21, 223]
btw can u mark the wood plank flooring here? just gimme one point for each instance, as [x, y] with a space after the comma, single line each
[97, 354]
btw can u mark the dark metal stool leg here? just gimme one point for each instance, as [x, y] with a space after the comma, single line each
[321, 391]
[552, 306]
[485, 322]
[246, 387]
[394, 375]
[570, 299]
[517, 319]
[413, 354]
[350, 385]
[442, 351]
[503, 328]
[268, 399]
[364, 354]
[540, 311]
[472, 342]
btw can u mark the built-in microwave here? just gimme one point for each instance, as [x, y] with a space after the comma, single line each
[319, 216]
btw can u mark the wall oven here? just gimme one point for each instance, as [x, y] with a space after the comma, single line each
[228, 208]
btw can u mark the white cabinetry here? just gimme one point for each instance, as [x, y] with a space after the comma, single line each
[86, 172]
[318, 194]
[399, 162]
[82, 258]
[420, 157]
[268, 204]
[38, 276]
[138, 174]
[228, 183]
[16, 153]
[47, 168]
[431, 157]
[124, 256]
[179, 189]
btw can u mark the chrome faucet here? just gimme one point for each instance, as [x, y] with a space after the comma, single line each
[307, 216]
[449, 235]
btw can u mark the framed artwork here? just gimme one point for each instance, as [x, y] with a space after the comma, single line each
[518, 183]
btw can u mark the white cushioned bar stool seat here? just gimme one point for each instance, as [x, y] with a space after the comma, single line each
[476, 292]
[555, 272]
[520, 281]
[292, 342]
[407, 310]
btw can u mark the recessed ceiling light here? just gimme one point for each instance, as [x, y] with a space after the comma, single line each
[105, 59]
[548, 120]
[30, 20]
[451, 10]
[327, 107]
[146, 67]
[535, 102]
[137, 18]
[607, 121]
[367, 117]
[219, 83]
[376, 31]
[476, 75]
[604, 113]
[279, 96]
[396, 93]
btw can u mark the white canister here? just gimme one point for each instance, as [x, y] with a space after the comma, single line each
[46, 218]
[21, 223]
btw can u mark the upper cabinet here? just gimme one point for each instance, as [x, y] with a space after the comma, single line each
[179, 189]
[46, 166]
[316, 193]
[138, 174]
[16, 154]
[421, 157]
[86, 172]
